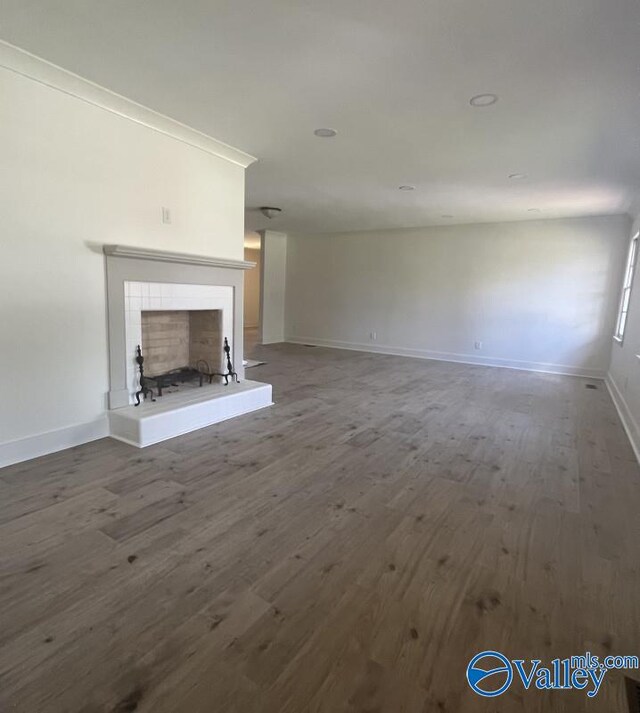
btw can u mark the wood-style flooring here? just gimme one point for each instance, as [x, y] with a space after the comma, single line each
[345, 551]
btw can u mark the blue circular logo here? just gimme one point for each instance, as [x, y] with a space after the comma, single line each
[489, 673]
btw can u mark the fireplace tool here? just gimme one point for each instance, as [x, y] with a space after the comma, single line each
[230, 372]
[144, 389]
[203, 367]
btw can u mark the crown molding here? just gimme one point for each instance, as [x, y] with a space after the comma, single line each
[39, 70]
[182, 258]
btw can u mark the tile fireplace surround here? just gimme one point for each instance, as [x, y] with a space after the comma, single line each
[149, 280]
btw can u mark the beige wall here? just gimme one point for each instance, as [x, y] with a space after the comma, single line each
[274, 279]
[537, 294]
[73, 177]
[252, 289]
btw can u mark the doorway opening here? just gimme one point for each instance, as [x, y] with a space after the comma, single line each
[252, 289]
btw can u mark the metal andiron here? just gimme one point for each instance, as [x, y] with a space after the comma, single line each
[230, 372]
[183, 374]
[144, 389]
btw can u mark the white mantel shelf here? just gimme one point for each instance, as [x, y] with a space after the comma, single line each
[181, 258]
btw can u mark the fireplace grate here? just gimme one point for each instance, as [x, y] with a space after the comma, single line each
[182, 375]
[175, 377]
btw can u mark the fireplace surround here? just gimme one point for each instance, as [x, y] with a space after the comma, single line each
[188, 304]
[176, 325]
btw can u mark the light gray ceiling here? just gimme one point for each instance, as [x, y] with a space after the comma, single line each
[395, 79]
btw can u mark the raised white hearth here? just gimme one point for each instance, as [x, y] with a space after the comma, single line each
[185, 411]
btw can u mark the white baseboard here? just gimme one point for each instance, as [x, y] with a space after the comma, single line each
[628, 421]
[458, 358]
[52, 441]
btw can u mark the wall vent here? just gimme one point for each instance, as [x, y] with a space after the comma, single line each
[590, 386]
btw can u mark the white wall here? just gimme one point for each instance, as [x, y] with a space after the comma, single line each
[537, 294]
[252, 289]
[273, 279]
[624, 374]
[74, 176]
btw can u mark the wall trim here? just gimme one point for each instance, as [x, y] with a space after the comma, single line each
[43, 444]
[181, 258]
[631, 427]
[451, 357]
[40, 70]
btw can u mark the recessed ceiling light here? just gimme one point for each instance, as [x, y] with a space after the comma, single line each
[517, 176]
[483, 100]
[534, 210]
[406, 188]
[325, 133]
[446, 215]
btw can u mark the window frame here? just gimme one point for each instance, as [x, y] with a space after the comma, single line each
[627, 288]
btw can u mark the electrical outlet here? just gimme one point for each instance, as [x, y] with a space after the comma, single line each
[166, 215]
[373, 336]
[477, 345]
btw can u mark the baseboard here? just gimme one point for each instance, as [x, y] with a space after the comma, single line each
[457, 358]
[52, 441]
[628, 421]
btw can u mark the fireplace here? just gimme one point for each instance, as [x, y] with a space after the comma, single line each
[178, 309]
[176, 326]
[176, 339]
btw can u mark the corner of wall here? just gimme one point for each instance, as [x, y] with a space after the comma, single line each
[623, 358]
[273, 286]
[631, 426]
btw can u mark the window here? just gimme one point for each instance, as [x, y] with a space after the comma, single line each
[626, 289]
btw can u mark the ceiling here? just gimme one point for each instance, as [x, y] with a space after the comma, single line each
[394, 79]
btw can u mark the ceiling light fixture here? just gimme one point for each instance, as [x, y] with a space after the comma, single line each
[518, 176]
[269, 212]
[406, 188]
[325, 133]
[483, 100]
[446, 215]
[534, 210]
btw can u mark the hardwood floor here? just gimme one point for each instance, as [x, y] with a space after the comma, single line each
[348, 550]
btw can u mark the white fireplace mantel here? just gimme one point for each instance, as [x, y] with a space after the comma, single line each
[141, 279]
[188, 278]
[181, 258]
